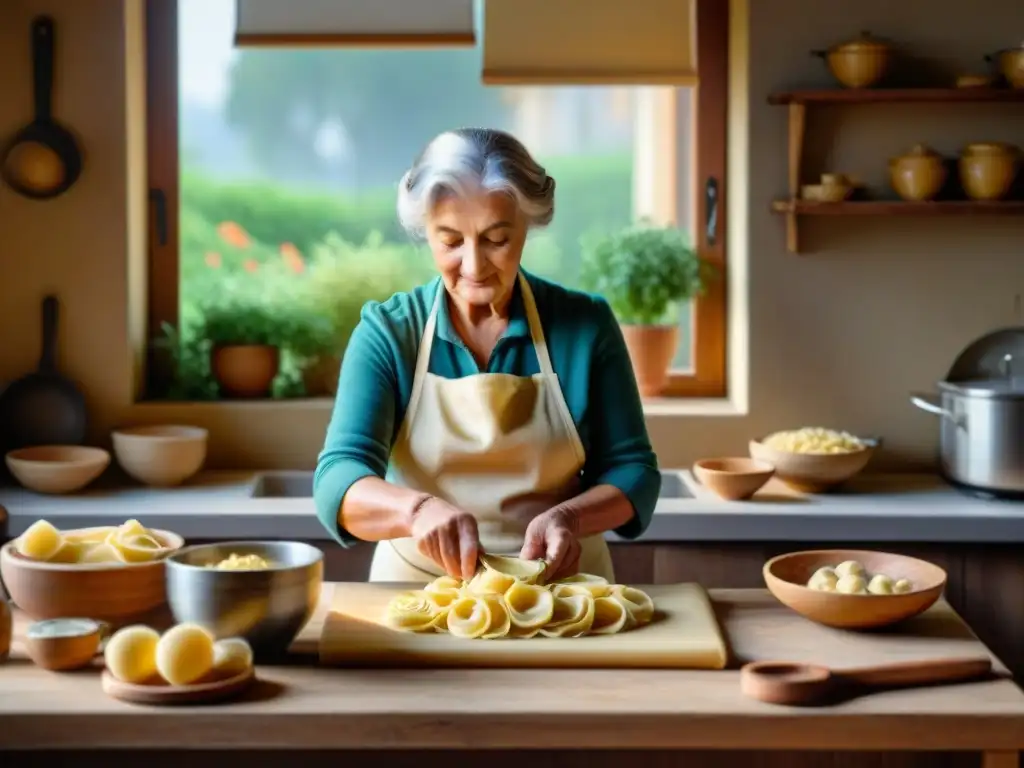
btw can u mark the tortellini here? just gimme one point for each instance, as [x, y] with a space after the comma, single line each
[813, 440]
[850, 578]
[506, 599]
[130, 542]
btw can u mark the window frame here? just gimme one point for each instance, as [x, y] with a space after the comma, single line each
[705, 155]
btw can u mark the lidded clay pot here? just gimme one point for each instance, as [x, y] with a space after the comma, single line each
[987, 171]
[918, 175]
[858, 63]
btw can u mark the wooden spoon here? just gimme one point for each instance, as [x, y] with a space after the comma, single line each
[783, 682]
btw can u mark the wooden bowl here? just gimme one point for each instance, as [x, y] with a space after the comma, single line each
[63, 644]
[786, 577]
[117, 593]
[161, 455]
[57, 468]
[813, 472]
[733, 479]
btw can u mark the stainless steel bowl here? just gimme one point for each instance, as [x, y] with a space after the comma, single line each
[267, 607]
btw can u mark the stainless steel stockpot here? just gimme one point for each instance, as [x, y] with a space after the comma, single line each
[981, 434]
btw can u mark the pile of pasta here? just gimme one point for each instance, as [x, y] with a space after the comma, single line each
[507, 599]
[130, 542]
[813, 440]
[185, 654]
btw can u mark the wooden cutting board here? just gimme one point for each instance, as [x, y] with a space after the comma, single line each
[684, 635]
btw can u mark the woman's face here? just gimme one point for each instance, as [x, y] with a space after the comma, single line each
[477, 243]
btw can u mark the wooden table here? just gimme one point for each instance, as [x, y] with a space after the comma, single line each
[301, 706]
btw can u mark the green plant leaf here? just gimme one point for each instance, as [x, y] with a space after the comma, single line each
[644, 272]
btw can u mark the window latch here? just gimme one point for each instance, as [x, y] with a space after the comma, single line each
[711, 209]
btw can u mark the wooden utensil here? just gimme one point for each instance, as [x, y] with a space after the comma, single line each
[796, 684]
[171, 695]
[43, 160]
[43, 408]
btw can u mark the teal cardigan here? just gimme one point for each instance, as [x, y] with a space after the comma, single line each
[587, 352]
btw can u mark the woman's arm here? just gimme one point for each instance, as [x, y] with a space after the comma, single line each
[353, 501]
[621, 472]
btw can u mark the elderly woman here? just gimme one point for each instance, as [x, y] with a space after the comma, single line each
[489, 410]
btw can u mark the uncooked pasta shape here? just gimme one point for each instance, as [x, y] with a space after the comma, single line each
[508, 599]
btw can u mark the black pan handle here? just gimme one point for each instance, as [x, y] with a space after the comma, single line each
[48, 358]
[42, 65]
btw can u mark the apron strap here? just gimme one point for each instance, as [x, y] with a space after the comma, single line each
[427, 340]
[540, 344]
[423, 356]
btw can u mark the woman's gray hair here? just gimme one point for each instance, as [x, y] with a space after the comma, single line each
[462, 161]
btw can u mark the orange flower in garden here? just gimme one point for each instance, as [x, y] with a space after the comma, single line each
[250, 265]
[213, 260]
[292, 258]
[233, 234]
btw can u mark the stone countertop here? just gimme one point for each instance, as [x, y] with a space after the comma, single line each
[880, 507]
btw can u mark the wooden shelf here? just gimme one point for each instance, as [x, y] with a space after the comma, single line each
[797, 103]
[900, 208]
[898, 96]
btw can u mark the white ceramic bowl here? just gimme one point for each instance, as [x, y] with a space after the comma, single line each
[57, 468]
[160, 455]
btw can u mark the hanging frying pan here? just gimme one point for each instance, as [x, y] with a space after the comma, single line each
[43, 408]
[43, 160]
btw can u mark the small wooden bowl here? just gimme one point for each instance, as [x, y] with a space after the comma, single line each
[786, 577]
[813, 472]
[116, 593]
[733, 479]
[57, 469]
[63, 644]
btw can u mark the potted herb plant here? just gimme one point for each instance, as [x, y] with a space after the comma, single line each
[244, 334]
[646, 273]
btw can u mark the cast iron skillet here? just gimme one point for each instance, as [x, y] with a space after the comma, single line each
[44, 143]
[43, 408]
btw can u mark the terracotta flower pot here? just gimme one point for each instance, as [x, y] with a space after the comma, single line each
[246, 370]
[651, 349]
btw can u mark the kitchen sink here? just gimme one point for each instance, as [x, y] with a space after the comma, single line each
[283, 485]
[299, 485]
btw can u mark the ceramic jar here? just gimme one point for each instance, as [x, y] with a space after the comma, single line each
[987, 171]
[858, 63]
[918, 175]
[1011, 65]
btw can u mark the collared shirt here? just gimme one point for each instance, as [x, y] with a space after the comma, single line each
[588, 355]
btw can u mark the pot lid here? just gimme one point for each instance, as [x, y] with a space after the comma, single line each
[997, 355]
[994, 388]
[865, 43]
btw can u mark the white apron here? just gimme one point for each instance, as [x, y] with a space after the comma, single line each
[503, 448]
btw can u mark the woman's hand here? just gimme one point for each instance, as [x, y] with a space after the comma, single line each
[448, 536]
[552, 535]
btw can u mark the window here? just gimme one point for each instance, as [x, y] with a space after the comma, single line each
[273, 172]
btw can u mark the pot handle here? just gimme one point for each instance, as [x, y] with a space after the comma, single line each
[819, 54]
[928, 402]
